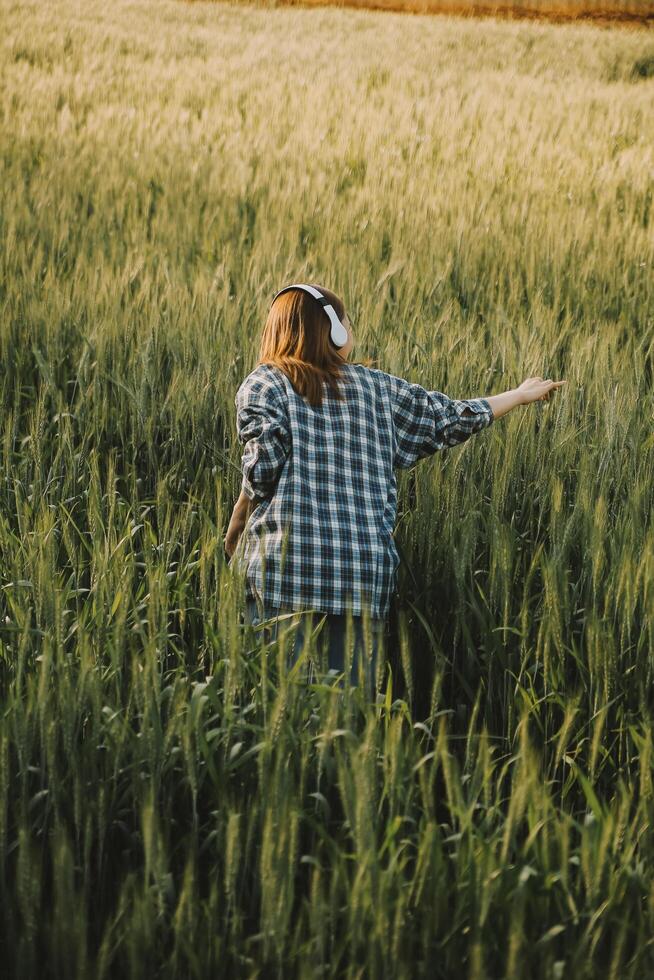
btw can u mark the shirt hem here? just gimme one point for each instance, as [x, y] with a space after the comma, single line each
[379, 611]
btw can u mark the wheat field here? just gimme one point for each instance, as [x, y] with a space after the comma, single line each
[172, 802]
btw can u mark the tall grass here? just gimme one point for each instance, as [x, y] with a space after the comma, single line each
[172, 802]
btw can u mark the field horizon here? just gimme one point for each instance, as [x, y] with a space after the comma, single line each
[633, 14]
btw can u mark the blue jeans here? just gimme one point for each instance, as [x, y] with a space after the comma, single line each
[333, 636]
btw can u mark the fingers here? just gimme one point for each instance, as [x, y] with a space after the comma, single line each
[553, 386]
[540, 389]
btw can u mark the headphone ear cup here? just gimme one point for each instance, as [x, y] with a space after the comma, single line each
[339, 335]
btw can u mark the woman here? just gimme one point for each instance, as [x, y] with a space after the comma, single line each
[323, 436]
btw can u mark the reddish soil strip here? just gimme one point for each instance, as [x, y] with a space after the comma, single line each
[555, 13]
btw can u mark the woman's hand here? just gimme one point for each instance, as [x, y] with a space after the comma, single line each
[536, 389]
[242, 510]
[531, 390]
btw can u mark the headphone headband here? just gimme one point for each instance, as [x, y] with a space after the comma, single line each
[338, 333]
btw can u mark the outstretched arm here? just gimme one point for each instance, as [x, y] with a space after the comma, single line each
[531, 390]
[426, 421]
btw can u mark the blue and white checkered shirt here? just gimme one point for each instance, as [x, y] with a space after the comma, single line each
[326, 475]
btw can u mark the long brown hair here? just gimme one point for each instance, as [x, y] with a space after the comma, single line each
[296, 340]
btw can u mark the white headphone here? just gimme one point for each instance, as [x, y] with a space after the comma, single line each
[338, 333]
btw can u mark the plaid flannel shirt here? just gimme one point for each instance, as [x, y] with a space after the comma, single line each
[321, 534]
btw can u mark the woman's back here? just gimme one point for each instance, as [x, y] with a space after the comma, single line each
[325, 476]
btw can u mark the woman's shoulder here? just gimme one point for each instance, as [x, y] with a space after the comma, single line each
[366, 372]
[391, 387]
[262, 378]
[268, 378]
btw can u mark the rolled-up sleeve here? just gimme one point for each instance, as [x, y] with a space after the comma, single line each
[426, 421]
[262, 427]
